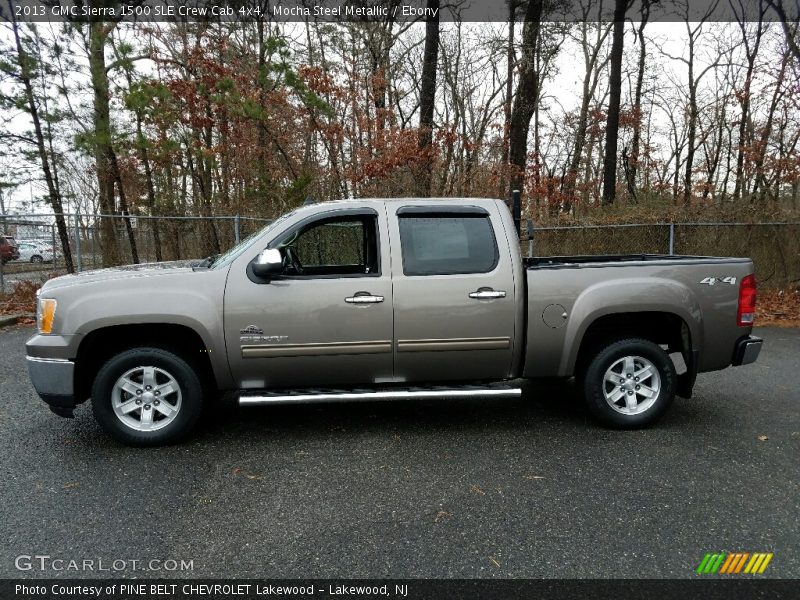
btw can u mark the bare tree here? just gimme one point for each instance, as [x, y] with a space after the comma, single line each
[694, 31]
[594, 62]
[632, 165]
[527, 92]
[751, 46]
[25, 75]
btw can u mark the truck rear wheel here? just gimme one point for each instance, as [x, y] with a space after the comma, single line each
[147, 397]
[629, 384]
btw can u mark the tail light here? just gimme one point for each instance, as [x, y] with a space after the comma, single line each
[746, 313]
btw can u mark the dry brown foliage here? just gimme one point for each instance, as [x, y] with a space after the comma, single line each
[22, 299]
[779, 308]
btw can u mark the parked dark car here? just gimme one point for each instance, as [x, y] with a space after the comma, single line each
[8, 249]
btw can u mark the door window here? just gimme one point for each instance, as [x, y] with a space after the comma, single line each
[337, 247]
[445, 244]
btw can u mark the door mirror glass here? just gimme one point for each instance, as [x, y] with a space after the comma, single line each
[269, 262]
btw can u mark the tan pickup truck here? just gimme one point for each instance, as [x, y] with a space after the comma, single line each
[385, 300]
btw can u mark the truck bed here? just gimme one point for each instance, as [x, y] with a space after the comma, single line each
[566, 294]
[547, 262]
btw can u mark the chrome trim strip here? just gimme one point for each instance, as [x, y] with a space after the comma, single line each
[384, 395]
[47, 360]
[326, 349]
[453, 344]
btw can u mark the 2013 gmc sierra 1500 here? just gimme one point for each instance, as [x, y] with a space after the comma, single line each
[385, 299]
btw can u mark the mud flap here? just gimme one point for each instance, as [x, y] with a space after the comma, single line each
[686, 380]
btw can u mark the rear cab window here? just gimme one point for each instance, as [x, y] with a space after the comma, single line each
[442, 242]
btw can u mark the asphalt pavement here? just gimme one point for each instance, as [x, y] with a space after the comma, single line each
[482, 488]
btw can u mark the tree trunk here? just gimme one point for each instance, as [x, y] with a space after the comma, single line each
[512, 11]
[526, 96]
[750, 55]
[151, 192]
[615, 93]
[427, 97]
[98, 32]
[123, 204]
[633, 165]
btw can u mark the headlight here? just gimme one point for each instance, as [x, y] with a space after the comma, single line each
[45, 313]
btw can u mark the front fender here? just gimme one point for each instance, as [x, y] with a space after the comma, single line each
[195, 302]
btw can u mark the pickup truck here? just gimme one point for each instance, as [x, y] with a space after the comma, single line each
[384, 300]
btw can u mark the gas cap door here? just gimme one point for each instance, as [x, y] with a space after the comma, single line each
[554, 316]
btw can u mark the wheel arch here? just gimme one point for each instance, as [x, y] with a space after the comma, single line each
[660, 327]
[97, 346]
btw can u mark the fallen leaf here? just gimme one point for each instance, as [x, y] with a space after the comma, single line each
[477, 489]
[237, 470]
[763, 438]
[494, 561]
[72, 485]
[441, 516]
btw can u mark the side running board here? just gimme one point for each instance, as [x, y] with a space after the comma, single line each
[331, 395]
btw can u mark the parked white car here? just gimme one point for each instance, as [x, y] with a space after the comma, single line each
[35, 252]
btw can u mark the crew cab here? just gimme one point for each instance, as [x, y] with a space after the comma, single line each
[385, 300]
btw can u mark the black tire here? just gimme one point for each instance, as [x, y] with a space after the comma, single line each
[594, 385]
[36, 259]
[167, 365]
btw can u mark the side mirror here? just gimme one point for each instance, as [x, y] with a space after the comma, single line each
[269, 262]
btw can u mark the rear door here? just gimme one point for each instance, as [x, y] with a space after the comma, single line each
[454, 305]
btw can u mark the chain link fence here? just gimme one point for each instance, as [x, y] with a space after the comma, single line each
[774, 247]
[139, 239]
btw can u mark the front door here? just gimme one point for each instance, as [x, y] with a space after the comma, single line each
[327, 320]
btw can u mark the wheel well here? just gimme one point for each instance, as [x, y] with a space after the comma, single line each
[101, 344]
[661, 328]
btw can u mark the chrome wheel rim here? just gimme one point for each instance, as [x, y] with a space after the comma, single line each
[631, 385]
[146, 398]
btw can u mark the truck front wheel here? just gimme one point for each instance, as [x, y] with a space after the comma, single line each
[147, 397]
[629, 383]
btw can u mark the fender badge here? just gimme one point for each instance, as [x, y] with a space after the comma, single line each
[251, 330]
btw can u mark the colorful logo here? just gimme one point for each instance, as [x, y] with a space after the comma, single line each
[731, 563]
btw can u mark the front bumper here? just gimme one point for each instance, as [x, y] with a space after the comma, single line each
[747, 350]
[53, 379]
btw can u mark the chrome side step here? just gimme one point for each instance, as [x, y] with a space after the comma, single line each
[303, 396]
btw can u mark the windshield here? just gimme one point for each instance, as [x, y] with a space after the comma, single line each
[223, 260]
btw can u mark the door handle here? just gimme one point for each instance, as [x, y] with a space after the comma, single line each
[363, 298]
[486, 293]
